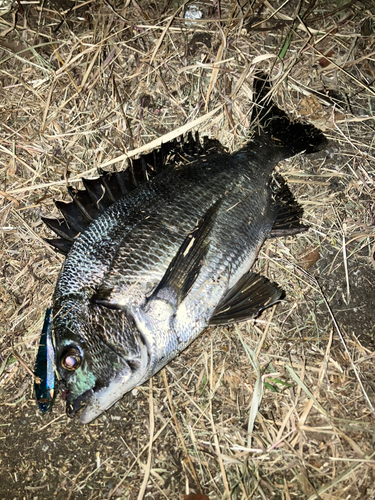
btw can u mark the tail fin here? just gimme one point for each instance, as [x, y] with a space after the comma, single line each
[291, 137]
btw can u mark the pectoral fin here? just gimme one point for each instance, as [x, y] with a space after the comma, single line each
[185, 266]
[246, 299]
[104, 297]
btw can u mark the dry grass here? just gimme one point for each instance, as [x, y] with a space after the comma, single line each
[281, 408]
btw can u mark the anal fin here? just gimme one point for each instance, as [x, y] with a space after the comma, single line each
[246, 299]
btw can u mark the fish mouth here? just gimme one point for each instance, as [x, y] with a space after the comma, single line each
[78, 403]
[95, 402]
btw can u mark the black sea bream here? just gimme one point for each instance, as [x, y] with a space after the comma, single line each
[150, 265]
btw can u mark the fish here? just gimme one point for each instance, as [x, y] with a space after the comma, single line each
[157, 253]
[44, 385]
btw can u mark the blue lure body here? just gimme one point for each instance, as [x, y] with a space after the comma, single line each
[44, 367]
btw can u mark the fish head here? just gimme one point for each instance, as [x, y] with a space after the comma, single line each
[100, 355]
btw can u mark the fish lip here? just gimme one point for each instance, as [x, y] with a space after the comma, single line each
[103, 399]
[72, 407]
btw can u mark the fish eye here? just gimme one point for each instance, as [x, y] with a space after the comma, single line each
[71, 359]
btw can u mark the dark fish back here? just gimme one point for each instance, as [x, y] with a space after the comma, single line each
[157, 252]
[100, 193]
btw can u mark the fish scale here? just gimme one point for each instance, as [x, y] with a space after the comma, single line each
[191, 190]
[233, 250]
[115, 263]
[160, 263]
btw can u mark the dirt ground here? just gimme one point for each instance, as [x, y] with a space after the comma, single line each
[281, 407]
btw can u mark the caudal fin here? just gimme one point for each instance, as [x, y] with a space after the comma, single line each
[291, 137]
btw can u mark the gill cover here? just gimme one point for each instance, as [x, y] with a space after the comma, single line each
[100, 356]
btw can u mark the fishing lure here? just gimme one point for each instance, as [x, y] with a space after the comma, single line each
[44, 367]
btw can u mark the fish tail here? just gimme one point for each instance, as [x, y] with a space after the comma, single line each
[276, 128]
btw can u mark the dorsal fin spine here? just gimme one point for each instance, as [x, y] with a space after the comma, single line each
[98, 194]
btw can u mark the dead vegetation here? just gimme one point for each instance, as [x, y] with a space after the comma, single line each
[281, 408]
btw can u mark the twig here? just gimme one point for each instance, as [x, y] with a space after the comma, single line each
[312, 278]
[113, 491]
[214, 431]
[191, 466]
[30, 372]
[152, 429]
[156, 143]
[75, 481]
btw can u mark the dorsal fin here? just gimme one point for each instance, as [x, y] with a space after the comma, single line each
[102, 192]
[61, 228]
[83, 201]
